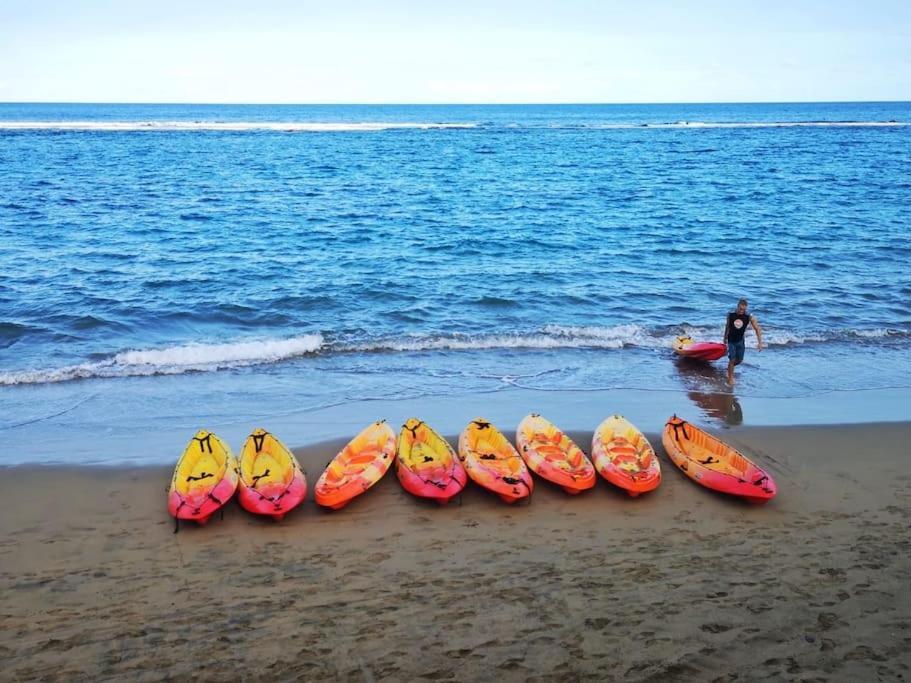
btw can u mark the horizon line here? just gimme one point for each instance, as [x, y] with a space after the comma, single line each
[448, 104]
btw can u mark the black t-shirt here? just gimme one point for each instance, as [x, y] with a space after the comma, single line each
[737, 326]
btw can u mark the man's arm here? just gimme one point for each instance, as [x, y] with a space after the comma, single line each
[758, 330]
[727, 328]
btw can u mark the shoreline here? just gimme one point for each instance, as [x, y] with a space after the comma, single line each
[128, 437]
[310, 452]
[678, 584]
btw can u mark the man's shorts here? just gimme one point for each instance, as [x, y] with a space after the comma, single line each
[735, 350]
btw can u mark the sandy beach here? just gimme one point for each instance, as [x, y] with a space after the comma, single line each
[682, 584]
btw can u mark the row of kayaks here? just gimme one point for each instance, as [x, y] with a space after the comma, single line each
[268, 479]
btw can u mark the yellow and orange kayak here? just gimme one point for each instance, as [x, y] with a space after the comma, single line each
[712, 463]
[204, 479]
[624, 456]
[492, 462]
[360, 465]
[551, 454]
[271, 480]
[426, 465]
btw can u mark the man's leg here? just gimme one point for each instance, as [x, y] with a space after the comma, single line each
[735, 359]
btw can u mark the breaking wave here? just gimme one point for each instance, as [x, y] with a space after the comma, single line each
[277, 126]
[753, 124]
[187, 358]
[372, 126]
[175, 360]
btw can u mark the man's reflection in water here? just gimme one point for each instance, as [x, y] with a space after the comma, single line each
[707, 388]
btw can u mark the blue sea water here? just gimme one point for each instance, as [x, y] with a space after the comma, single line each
[165, 267]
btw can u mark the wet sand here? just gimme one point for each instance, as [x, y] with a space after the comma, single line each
[681, 584]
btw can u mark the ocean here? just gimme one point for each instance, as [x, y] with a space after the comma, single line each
[310, 269]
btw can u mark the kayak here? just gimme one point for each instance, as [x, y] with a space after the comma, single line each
[426, 465]
[553, 456]
[204, 479]
[360, 465]
[714, 464]
[625, 457]
[688, 348]
[271, 480]
[492, 462]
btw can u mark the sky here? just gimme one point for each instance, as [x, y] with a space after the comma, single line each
[468, 51]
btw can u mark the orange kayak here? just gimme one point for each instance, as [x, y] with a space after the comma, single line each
[426, 465]
[552, 455]
[624, 456]
[712, 463]
[204, 479]
[271, 480]
[360, 465]
[492, 462]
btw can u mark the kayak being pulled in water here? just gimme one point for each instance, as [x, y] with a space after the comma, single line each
[687, 347]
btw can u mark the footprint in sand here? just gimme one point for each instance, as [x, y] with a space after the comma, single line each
[826, 620]
[715, 628]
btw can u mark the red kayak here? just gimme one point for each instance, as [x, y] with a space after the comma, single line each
[714, 464]
[686, 347]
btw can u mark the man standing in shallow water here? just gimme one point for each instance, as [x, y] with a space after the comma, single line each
[734, 333]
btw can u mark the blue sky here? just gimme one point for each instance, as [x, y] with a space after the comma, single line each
[433, 52]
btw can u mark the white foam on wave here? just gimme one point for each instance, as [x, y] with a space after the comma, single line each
[368, 126]
[212, 357]
[548, 337]
[634, 335]
[278, 126]
[613, 337]
[208, 354]
[878, 333]
[754, 124]
[175, 360]
[787, 338]
[466, 343]
[621, 336]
